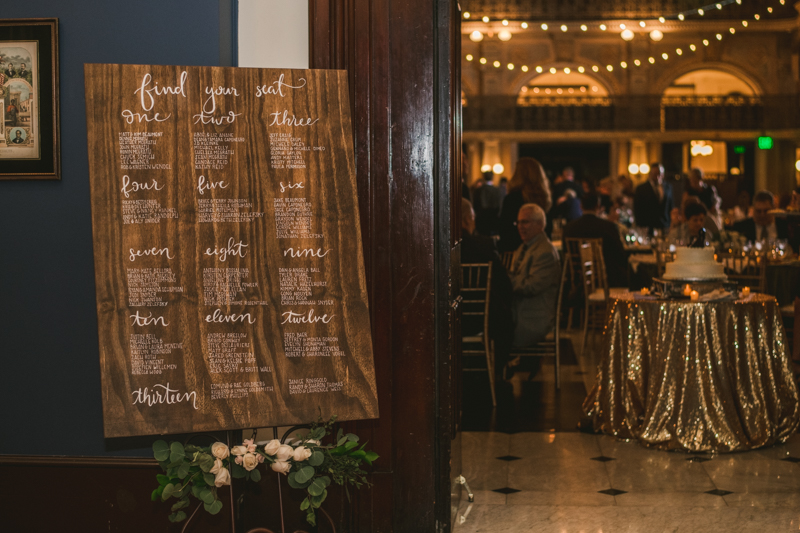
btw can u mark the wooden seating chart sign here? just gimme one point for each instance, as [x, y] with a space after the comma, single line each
[228, 261]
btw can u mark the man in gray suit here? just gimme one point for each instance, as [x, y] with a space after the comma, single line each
[535, 273]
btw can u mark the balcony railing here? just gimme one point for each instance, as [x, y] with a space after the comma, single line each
[632, 113]
[612, 9]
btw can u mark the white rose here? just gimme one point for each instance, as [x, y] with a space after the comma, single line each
[312, 442]
[301, 453]
[220, 450]
[272, 447]
[223, 478]
[239, 450]
[284, 452]
[281, 467]
[217, 467]
[249, 461]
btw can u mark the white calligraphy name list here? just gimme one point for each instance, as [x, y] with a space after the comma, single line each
[313, 385]
[226, 286]
[145, 286]
[226, 210]
[297, 284]
[242, 389]
[230, 353]
[212, 151]
[287, 151]
[301, 345]
[148, 352]
[136, 151]
[293, 219]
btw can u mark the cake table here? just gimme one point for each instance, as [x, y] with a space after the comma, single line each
[694, 376]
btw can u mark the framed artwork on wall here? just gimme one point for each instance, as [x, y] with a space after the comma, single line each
[29, 109]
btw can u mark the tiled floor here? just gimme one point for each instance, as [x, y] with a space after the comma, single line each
[563, 481]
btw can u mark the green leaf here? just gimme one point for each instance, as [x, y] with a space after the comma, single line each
[214, 507]
[371, 457]
[205, 462]
[358, 454]
[295, 484]
[305, 505]
[176, 452]
[341, 441]
[181, 504]
[161, 450]
[305, 473]
[167, 492]
[209, 479]
[156, 494]
[162, 479]
[255, 475]
[352, 437]
[316, 458]
[311, 518]
[183, 470]
[238, 471]
[326, 480]
[317, 487]
[350, 445]
[339, 450]
[177, 517]
[207, 496]
[316, 501]
[196, 491]
[339, 434]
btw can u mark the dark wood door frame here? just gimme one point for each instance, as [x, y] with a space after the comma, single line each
[402, 62]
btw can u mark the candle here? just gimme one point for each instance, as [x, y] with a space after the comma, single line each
[645, 291]
[687, 290]
[745, 292]
[695, 296]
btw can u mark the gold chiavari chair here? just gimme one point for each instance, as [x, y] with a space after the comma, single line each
[475, 291]
[747, 270]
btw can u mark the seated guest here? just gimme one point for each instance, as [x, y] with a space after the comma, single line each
[695, 216]
[566, 196]
[652, 202]
[535, 274]
[590, 226]
[479, 249]
[762, 226]
[687, 226]
[486, 203]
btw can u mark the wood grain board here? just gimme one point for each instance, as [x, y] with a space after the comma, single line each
[228, 259]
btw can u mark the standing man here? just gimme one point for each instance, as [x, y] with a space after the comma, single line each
[535, 273]
[652, 201]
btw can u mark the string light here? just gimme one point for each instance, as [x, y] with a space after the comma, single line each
[692, 47]
[705, 42]
[567, 70]
[581, 70]
[744, 23]
[504, 35]
[584, 27]
[637, 62]
[610, 68]
[627, 35]
[544, 27]
[679, 51]
[553, 70]
[505, 22]
[539, 69]
[652, 60]
[466, 14]
[665, 56]
[701, 12]
[483, 61]
[524, 68]
[662, 20]
[485, 19]
[757, 16]
[476, 36]
[524, 25]
[656, 35]
[719, 6]
[469, 57]
[596, 68]
[733, 31]
[623, 64]
[511, 66]
[603, 27]
[564, 27]
[496, 64]
[719, 36]
[681, 17]
[622, 26]
[642, 24]
[769, 10]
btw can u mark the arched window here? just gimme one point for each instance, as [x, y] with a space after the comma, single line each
[709, 82]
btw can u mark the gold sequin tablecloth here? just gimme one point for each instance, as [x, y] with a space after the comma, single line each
[689, 376]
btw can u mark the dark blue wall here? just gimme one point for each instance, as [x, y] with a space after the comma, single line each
[49, 364]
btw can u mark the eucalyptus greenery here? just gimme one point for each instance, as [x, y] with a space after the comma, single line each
[195, 471]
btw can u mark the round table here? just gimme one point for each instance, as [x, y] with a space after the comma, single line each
[699, 377]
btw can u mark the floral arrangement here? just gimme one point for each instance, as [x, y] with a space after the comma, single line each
[195, 471]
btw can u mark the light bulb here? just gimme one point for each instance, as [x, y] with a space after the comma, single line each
[544, 27]
[486, 168]
[483, 61]
[701, 12]
[596, 68]
[584, 27]
[511, 66]
[539, 69]
[581, 70]
[665, 56]
[505, 22]
[733, 31]
[469, 57]
[504, 35]
[622, 26]
[644, 168]
[744, 23]
[662, 20]
[524, 25]
[466, 14]
[633, 168]
[719, 36]
[603, 27]
[476, 36]
[757, 16]
[524, 68]
[553, 70]
[656, 35]
[692, 47]
[610, 68]
[680, 16]
[627, 35]
[496, 64]
[719, 6]
[485, 19]
[498, 168]
[705, 42]
[567, 70]
[623, 64]
[797, 165]
[651, 60]
[679, 51]
[563, 27]
[637, 62]
[642, 24]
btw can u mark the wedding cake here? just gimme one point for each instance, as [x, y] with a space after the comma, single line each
[694, 264]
